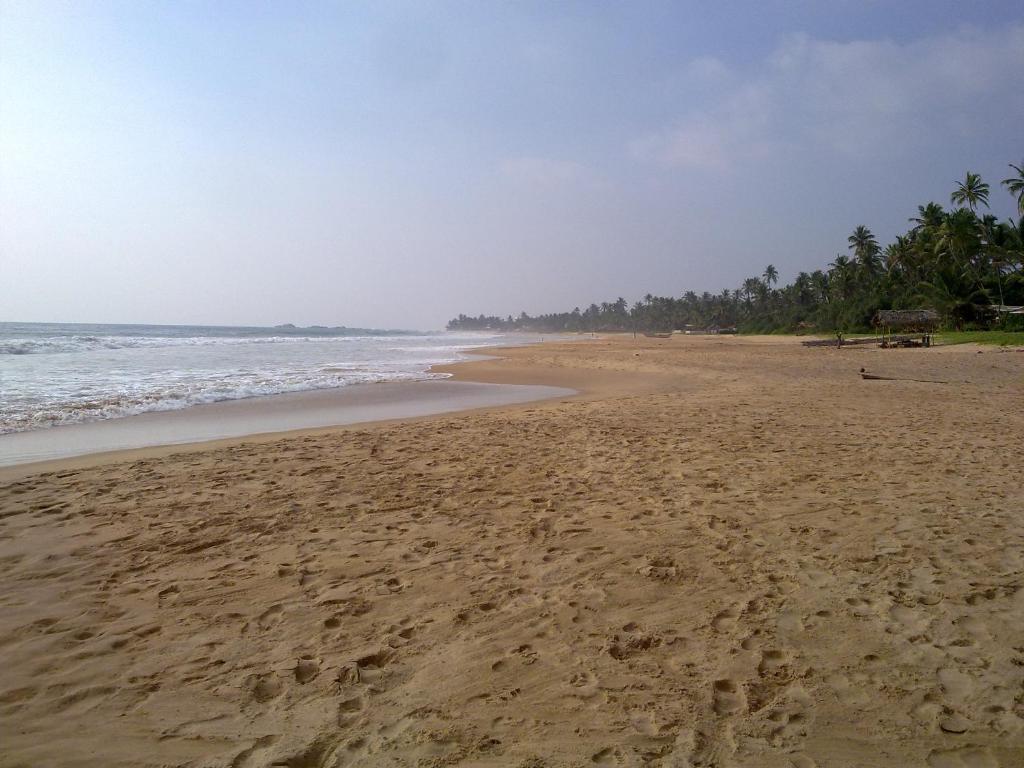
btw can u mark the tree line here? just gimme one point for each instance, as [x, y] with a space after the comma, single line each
[962, 261]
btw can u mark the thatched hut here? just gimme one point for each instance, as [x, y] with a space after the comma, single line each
[908, 320]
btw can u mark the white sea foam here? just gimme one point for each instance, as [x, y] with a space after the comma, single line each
[54, 375]
[65, 344]
[142, 398]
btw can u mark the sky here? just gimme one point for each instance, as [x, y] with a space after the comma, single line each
[392, 164]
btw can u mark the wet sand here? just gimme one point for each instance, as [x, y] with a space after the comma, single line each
[260, 415]
[723, 552]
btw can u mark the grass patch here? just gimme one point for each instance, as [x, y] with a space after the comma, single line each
[1002, 338]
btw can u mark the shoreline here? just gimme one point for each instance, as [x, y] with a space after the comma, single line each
[214, 425]
[496, 366]
[262, 416]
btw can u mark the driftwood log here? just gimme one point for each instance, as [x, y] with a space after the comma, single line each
[874, 377]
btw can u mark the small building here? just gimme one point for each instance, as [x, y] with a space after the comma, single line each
[907, 321]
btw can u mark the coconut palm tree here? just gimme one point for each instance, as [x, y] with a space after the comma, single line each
[865, 250]
[1015, 249]
[802, 289]
[930, 215]
[840, 276]
[771, 275]
[862, 240]
[750, 288]
[897, 254]
[819, 281]
[959, 236]
[971, 191]
[1015, 186]
[841, 264]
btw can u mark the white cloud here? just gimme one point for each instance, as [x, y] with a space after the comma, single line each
[856, 98]
[699, 143]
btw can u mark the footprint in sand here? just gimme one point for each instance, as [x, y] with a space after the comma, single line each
[964, 757]
[306, 670]
[606, 756]
[957, 685]
[266, 687]
[168, 594]
[392, 586]
[366, 669]
[271, 616]
[644, 723]
[725, 620]
[349, 709]
[526, 652]
[928, 710]
[789, 720]
[248, 757]
[585, 684]
[848, 693]
[728, 697]
[790, 622]
[772, 661]
[908, 620]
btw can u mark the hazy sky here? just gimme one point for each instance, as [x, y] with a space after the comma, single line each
[393, 164]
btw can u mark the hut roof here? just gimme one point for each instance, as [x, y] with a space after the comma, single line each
[924, 319]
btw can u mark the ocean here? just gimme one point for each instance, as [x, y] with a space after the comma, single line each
[54, 374]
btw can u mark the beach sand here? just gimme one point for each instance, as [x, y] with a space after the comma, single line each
[723, 552]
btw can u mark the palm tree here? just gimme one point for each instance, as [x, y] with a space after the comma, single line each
[971, 191]
[843, 268]
[955, 291]
[930, 215]
[725, 304]
[750, 287]
[802, 288]
[1015, 186]
[862, 240]
[819, 281]
[959, 236]
[1015, 248]
[865, 250]
[771, 275]
[897, 254]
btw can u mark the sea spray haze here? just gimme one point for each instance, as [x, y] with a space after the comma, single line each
[63, 374]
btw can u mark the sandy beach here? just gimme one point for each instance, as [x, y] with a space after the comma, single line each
[722, 552]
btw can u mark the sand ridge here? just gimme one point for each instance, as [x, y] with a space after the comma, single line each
[723, 553]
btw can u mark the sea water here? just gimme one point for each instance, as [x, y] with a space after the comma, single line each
[52, 374]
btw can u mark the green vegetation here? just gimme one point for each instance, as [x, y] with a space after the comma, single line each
[962, 264]
[1002, 338]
